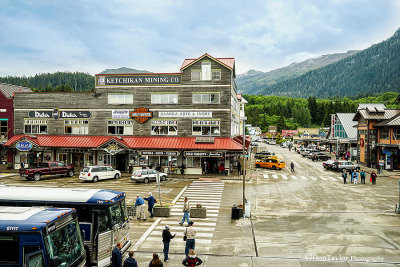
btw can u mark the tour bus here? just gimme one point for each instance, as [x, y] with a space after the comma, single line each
[102, 215]
[34, 236]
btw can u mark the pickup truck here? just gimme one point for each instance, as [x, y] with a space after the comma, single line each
[47, 168]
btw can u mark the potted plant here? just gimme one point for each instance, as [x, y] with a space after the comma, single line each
[198, 212]
[161, 211]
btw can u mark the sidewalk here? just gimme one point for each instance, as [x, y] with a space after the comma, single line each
[212, 176]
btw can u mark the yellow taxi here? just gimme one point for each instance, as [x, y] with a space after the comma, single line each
[271, 163]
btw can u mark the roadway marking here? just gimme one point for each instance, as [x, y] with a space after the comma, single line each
[303, 177]
[265, 176]
[284, 177]
[274, 176]
[146, 234]
[293, 177]
[332, 178]
[323, 178]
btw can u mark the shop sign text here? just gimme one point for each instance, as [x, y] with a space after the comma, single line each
[56, 114]
[24, 146]
[203, 154]
[138, 79]
[159, 153]
[141, 114]
[185, 114]
[120, 114]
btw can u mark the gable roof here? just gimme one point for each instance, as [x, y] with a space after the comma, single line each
[346, 119]
[8, 90]
[389, 113]
[371, 106]
[227, 62]
[394, 121]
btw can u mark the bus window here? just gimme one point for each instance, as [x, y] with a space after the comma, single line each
[35, 259]
[104, 221]
[9, 248]
[117, 215]
[64, 245]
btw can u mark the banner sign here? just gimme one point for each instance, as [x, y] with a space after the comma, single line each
[120, 114]
[141, 114]
[24, 146]
[203, 154]
[56, 114]
[159, 153]
[139, 79]
[185, 114]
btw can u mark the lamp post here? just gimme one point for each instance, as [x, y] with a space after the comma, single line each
[337, 147]
[244, 165]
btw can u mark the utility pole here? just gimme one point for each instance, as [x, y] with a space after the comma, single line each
[244, 166]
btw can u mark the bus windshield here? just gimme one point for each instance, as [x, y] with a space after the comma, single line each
[118, 213]
[64, 245]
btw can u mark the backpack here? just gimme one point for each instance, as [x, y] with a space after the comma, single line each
[192, 262]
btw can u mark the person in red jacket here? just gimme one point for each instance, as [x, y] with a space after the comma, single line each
[192, 260]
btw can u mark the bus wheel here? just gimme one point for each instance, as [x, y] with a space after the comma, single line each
[37, 176]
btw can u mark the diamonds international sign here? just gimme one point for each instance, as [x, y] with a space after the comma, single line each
[138, 79]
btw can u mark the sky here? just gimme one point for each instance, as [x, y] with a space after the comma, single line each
[41, 36]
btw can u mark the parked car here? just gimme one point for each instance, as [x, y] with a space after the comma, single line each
[310, 154]
[147, 175]
[328, 164]
[271, 163]
[254, 143]
[47, 168]
[96, 173]
[320, 156]
[263, 154]
[343, 164]
[273, 142]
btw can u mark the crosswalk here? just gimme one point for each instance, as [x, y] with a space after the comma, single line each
[206, 193]
[269, 176]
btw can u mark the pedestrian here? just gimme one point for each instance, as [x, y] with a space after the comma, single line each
[355, 177]
[351, 175]
[192, 260]
[156, 262]
[186, 210]
[190, 233]
[166, 238]
[239, 167]
[378, 168]
[292, 166]
[344, 175]
[150, 204]
[139, 204]
[362, 175]
[130, 261]
[373, 177]
[116, 257]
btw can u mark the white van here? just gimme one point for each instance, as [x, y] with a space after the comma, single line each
[95, 173]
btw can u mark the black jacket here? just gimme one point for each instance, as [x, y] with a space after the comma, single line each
[130, 262]
[192, 262]
[116, 258]
[167, 236]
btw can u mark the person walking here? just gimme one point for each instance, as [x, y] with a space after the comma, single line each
[150, 204]
[156, 262]
[362, 175]
[192, 260]
[344, 175]
[166, 238]
[116, 256]
[373, 177]
[355, 177]
[139, 204]
[351, 175]
[292, 166]
[190, 233]
[186, 210]
[130, 261]
[239, 168]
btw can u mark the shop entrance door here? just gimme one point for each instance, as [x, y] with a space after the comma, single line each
[78, 160]
[210, 165]
[120, 163]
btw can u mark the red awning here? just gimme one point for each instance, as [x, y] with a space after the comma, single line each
[134, 142]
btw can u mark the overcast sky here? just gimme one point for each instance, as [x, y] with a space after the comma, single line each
[40, 36]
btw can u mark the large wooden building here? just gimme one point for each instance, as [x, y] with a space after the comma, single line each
[134, 120]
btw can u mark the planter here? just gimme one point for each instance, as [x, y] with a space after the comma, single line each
[161, 211]
[237, 213]
[198, 212]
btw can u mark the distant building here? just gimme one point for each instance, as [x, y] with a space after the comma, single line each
[343, 133]
[272, 130]
[289, 133]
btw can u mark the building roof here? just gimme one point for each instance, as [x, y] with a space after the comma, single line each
[398, 98]
[346, 119]
[241, 99]
[227, 62]
[394, 121]
[134, 142]
[9, 90]
[371, 105]
[388, 113]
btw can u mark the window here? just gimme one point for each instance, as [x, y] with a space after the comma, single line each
[3, 128]
[164, 98]
[107, 159]
[76, 127]
[205, 98]
[35, 126]
[195, 75]
[396, 133]
[206, 70]
[164, 127]
[120, 127]
[120, 99]
[216, 75]
[203, 127]
[383, 133]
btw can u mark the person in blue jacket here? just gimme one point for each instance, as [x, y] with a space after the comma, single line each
[116, 257]
[139, 204]
[130, 261]
[151, 200]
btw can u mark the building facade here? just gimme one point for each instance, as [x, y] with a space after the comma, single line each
[187, 118]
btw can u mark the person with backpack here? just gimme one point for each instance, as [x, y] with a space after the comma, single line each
[190, 233]
[362, 175]
[192, 260]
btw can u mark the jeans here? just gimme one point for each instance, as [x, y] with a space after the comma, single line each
[166, 250]
[150, 209]
[185, 216]
[190, 243]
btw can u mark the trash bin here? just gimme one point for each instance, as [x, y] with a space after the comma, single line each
[235, 213]
[247, 210]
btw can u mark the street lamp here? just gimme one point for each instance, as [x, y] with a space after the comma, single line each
[337, 147]
[243, 119]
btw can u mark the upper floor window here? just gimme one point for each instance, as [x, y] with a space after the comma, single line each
[35, 126]
[383, 133]
[120, 127]
[206, 127]
[120, 99]
[164, 98]
[205, 73]
[164, 127]
[76, 126]
[206, 70]
[196, 75]
[396, 133]
[205, 98]
[216, 75]
[3, 128]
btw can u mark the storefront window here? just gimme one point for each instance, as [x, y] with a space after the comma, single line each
[197, 162]
[383, 133]
[62, 157]
[153, 161]
[76, 126]
[107, 159]
[164, 161]
[143, 161]
[35, 126]
[89, 159]
[3, 128]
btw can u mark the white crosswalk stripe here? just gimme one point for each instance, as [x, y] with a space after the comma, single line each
[265, 176]
[206, 193]
[274, 176]
[293, 177]
[284, 177]
[302, 177]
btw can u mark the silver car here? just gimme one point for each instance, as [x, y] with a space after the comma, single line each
[96, 173]
[147, 175]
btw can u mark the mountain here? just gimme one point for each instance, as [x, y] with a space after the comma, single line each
[370, 71]
[123, 70]
[253, 81]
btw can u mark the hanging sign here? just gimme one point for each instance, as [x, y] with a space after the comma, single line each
[24, 146]
[141, 115]
[56, 114]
